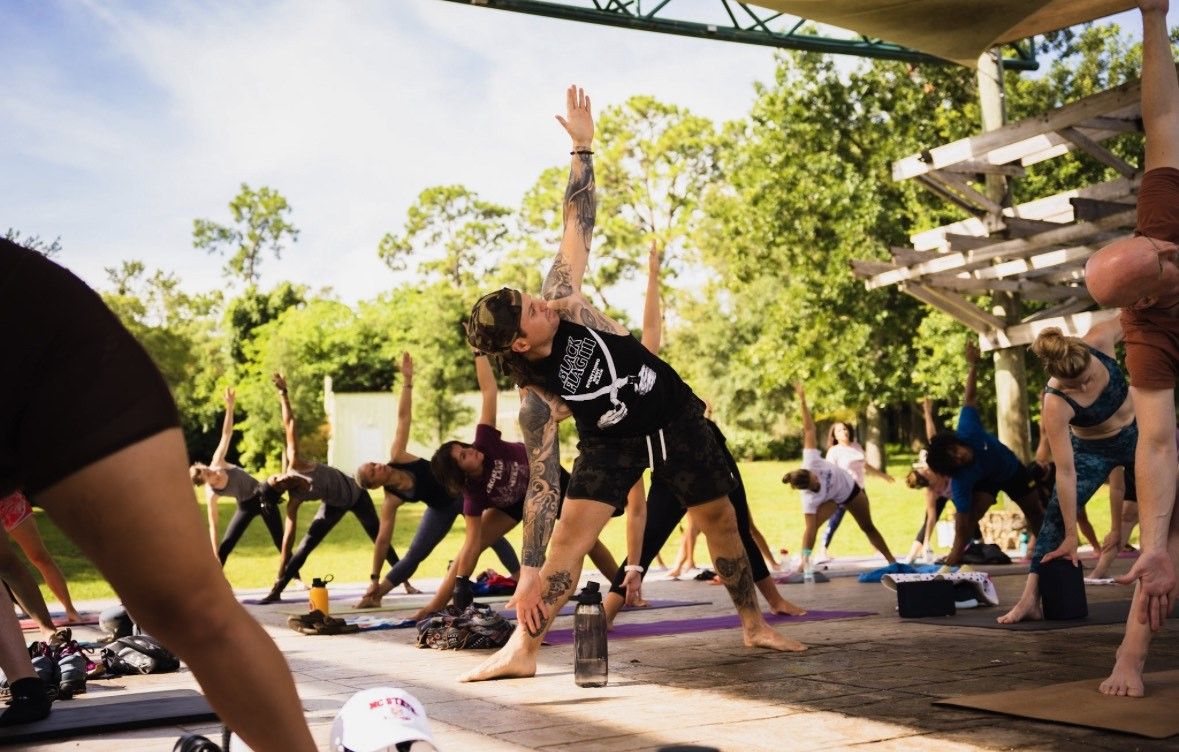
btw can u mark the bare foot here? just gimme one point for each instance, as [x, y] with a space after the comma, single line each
[1126, 678]
[509, 662]
[73, 617]
[786, 608]
[410, 589]
[368, 601]
[769, 638]
[1023, 611]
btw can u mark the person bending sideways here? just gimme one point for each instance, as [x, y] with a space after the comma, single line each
[632, 411]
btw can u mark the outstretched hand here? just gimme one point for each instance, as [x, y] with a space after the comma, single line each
[632, 583]
[279, 382]
[406, 367]
[1156, 577]
[229, 396]
[1066, 549]
[971, 352]
[800, 390]
[579, 120]
[529, 608]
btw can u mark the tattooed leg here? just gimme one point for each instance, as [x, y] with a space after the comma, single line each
[718, 522]
[575, 534]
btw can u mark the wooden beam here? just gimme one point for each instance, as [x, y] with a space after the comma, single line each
[1070, 306]
[940, 190]
[865, 269]
[1021, 248]
[978, 167]
[960, 243]
[1117, 125]
[1089, 209]
[974, 197]
[1027, 290]
[1021, 139]
[1018, 227]
[1045, 260]
[1075, 324]
[961, 309]
[903, 255]
[1099, 152]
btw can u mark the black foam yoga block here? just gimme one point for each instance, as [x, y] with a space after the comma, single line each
[925, 598]
[1062, 590]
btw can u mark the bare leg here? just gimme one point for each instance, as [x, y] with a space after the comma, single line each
[763, 547]
[24, 587]
[717, 520]
[141, 493]
[28, 538]
[861, 512]
[30, 701]
[686, 559]
[1126, 678]
[573, 536]
[603, 560]
[777, 604]
[1027, 608]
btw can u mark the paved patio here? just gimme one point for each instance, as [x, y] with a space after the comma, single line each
[865, 684]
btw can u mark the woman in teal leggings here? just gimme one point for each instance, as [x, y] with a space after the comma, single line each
[1088, 418]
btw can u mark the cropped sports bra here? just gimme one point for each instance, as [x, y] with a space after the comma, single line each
[1106, 404]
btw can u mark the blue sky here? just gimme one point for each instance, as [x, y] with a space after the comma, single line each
[124, 121]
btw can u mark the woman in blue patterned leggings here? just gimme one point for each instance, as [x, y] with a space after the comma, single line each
[1088, 418]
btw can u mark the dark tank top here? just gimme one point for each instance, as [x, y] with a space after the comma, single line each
[1106, 404]
[426, 487]
[331, 486]
[239, 484]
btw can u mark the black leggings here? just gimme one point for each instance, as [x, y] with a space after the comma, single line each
[664, 513]
[325, 519]
[247, 510]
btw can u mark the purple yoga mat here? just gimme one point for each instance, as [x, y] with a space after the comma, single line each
[703, 624]
[567, 609]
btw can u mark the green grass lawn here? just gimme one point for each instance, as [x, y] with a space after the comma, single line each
[347, 552]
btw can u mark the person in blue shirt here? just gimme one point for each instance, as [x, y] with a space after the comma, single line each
[979, 466]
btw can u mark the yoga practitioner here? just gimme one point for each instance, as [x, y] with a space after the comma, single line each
[492, 476]
[1140, 275]
[303, 480]
[408, 478]
[652, 517]
[222, 478]
[1043, 472]
[845, 452]
[16, 514]
[979, 466]
[1088, 419]
[632, 411]
[825, 488]
[90, 433]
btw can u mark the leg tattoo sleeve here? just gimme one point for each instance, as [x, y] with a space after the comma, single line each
[738, 579]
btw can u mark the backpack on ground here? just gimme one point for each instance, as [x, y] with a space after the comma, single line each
[139, 654]
[474, 627]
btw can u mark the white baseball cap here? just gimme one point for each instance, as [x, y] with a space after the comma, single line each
[378, 719]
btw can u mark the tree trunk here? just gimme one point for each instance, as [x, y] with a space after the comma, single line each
[874, 454]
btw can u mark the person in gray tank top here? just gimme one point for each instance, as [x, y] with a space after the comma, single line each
[221, 478]
[303, 480]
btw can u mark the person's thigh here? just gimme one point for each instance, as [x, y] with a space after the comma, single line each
[860, 510]
[578, 528]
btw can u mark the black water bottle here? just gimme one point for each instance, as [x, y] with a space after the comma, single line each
[589, 638]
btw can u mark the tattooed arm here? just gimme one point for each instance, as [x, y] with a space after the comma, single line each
[580, 205]
[539, 415]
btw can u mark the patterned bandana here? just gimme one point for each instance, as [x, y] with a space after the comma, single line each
[495, 321]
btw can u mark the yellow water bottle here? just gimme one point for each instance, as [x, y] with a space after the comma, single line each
[318, 594]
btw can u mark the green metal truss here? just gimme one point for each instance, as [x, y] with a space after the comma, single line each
[734, 21]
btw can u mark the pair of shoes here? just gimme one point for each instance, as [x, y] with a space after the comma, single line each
[318, 623]
[75, 667]
[46, 667]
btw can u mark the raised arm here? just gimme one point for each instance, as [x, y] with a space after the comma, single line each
[930, 423]
[397, 451]
[1105, 336]
[652, 310]
[1160, 88]
[488, 391]
[970, 392]
[580, 206]
[288, 422]
[810, 436]
[226, 431]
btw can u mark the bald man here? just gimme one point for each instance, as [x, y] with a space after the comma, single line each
[1140, 275]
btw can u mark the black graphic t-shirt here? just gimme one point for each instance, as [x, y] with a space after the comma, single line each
[614, 386]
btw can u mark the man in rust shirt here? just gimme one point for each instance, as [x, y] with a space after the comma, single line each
[1140, 274]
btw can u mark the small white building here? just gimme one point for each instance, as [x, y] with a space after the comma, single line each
[361, 424]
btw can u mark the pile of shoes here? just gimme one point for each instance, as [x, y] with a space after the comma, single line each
[61, 663]
[318, 623]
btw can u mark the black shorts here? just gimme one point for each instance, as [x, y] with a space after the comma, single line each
[1018, 485]
[75, 386]
[688, 460]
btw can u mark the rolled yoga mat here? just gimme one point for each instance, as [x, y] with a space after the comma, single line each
[1107, 612]
[89, 716]
[1080, 704]
[702, 624]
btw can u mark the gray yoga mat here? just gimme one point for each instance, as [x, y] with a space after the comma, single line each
[85, 716]
[1105, 612]
[702, 624]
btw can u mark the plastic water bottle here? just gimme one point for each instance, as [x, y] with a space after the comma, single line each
[808, 571]
[318, 594]
[590, 664]
[1023, 544]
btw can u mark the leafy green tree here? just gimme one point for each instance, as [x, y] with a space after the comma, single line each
[254, 307]
[261, 223]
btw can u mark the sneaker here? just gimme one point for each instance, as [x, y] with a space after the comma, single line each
[46, 667]
[74, 666]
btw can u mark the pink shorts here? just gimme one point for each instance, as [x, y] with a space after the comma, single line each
[14, 509]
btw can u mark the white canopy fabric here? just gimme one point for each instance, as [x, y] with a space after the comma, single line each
[956, 30]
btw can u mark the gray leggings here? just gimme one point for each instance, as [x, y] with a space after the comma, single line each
[435, 524]
[1094, 459]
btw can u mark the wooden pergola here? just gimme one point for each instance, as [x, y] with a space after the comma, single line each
[1035, 250]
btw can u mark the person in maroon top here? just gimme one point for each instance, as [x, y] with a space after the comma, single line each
[1140, 274]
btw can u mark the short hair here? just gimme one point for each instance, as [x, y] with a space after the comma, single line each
[940, 457]
[800, 479]
[446, 469]
[1063, 357]
[916, 479]
[362, 482]
[195, 472]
